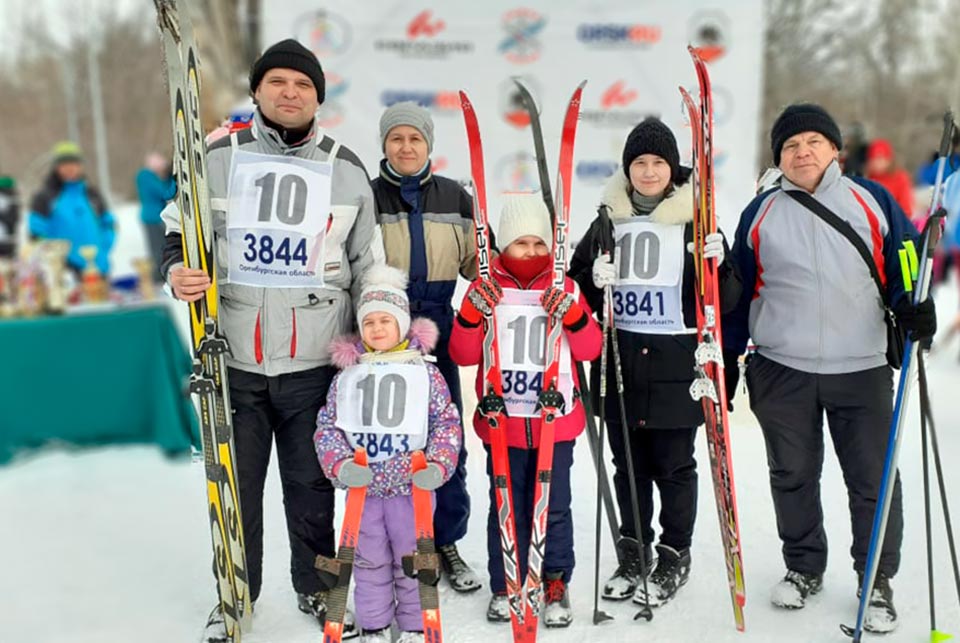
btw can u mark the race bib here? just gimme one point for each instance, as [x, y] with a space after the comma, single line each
[647, 297]
[278, 213]
[384, 408]
[522, 336]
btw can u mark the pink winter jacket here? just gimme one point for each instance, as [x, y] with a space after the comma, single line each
[466, 349]
[444, 433]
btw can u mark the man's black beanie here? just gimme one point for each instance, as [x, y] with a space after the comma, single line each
[802, 117]
[289, 54]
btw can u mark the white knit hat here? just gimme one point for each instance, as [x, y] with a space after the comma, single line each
[522, 214]
[384, 290]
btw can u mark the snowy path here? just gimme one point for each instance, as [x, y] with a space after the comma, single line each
[110, 545]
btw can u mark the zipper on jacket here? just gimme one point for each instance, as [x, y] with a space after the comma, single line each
[528, 427]
[816, 262]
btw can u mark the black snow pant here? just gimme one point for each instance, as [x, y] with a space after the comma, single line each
[663, 457]
[283, 408]
[790, 405]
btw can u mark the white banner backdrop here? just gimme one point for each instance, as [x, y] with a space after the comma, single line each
[632, 53]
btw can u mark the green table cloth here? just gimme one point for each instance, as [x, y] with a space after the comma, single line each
[97, 378]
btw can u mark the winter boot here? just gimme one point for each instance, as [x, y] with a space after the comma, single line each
[376, 636]
[624, 581]
[670, 574]
[557, 612]
[881, 615]
[215, 631]
[498, 611]
[461, 577]
[791, 593]
[411, 636]
[316, 606]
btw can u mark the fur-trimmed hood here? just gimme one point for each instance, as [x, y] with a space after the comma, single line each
[676, 209]
[347, 350]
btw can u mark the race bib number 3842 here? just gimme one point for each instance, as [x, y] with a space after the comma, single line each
[277, 216]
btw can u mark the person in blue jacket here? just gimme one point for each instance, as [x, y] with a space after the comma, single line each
[815, 314]
[67, 207]
[155, 187]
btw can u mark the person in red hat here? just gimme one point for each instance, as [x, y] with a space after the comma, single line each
[882, 168]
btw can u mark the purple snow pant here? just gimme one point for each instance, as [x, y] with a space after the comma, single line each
[383, 592]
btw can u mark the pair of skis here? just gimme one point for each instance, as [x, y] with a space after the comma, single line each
[209, 378]
[424, 564]
[911, 356]
[525, 604]
[709, 387]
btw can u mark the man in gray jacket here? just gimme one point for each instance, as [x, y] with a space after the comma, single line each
[295, 230]
[816, 316]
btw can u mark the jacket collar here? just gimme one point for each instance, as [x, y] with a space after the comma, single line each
[270, 138]
[388, 175]
[831, 176]
[676, 209]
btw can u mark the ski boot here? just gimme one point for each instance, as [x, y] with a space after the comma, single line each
[670, 574]
[462, 579]
[792, 592]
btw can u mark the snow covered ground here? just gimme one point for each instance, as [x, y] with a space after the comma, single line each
[111, 545]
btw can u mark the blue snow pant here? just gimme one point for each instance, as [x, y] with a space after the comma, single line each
[559, 556]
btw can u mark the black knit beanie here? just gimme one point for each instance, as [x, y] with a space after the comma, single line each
[289, 54]
[651, 136]
[803, 117]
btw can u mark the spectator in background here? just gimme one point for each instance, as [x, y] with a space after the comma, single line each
[155, 186]
[882, 168]
[67, 207]
[853, 155]
[927, 174]
[9, 216]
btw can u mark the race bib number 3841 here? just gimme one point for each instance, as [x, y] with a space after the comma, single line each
[277, 216]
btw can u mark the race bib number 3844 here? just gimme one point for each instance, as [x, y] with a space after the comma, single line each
[277, 216]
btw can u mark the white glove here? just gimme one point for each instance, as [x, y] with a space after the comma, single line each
[712, 247]
[604, 272]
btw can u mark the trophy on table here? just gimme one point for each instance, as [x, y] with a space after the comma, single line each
[30, 295]
[52, 257]
[8, 273]
[145, 272]
[93, 285]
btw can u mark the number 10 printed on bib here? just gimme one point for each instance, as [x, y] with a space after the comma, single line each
[647, 294]
[277, 217]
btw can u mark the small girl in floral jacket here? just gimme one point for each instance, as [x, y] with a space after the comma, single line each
[376, 403]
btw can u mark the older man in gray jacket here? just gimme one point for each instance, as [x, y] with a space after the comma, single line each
[295, 229]
[816, 315]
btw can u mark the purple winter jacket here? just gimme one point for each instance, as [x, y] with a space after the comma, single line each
[444, 432]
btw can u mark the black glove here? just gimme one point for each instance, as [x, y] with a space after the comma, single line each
[920, 320]
[731, 375]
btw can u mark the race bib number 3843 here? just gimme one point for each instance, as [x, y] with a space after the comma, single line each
[277, 216]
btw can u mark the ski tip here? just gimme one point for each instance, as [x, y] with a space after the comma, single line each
[938, 637]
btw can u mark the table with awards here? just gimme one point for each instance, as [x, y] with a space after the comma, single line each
[104, 375]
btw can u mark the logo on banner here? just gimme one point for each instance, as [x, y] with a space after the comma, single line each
[511, 105]
[617, 108]
[707, 32]
[325, 34]
[440, 102]
[421, 40]
[517, 172]
[520, 45]
[332, 112]
[723, 102]
[608, 35]
[595, 172]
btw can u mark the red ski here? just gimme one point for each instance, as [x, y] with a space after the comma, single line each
[491, 405]
[425, 563]
[709, 387]
[551, 401]
[342, 566]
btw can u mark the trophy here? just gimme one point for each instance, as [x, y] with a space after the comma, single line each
[93, 286]
[145, 272]
[29, 283]
[52, 256]
[7, 275]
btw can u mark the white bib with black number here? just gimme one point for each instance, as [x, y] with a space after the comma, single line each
[384, 408]
[522, 335]
[647, 297]
[278, 212]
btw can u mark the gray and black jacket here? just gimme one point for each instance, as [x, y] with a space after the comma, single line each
[282, 330]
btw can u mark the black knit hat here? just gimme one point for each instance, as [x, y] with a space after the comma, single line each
[651, 136]
[289, 54]
[803, 117]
